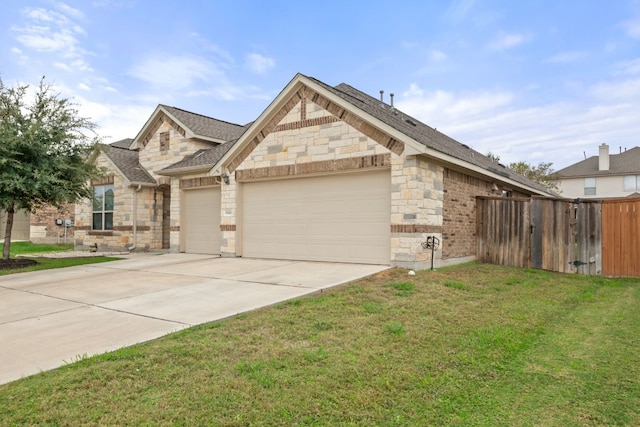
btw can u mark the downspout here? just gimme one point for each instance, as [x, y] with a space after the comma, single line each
[135, 215]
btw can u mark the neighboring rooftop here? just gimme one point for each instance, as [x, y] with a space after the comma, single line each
[207, 126]
[627, 162]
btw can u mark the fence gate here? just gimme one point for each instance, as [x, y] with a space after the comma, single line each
[621, 238]
[548, 234]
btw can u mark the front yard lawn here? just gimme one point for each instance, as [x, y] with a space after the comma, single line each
[24, 249]
[468, 345]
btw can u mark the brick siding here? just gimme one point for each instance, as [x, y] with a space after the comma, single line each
[459, 219]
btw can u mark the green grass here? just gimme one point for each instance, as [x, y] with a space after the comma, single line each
[25, 248]
[28, 248]
[510, 347]
[48, 264]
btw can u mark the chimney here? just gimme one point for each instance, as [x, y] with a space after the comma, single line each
[603, 158]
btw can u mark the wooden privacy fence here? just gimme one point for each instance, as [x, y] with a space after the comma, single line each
[588, 237]
[621, 237]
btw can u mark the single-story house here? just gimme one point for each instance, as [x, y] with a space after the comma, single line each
[324, 173]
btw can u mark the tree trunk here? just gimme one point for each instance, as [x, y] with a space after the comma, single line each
[7, 234]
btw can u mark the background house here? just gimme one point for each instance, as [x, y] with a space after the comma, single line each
[603, 176]
[324, 173]
[20, 230]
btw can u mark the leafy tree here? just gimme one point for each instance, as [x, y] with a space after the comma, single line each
[494, 157]
[44, 146]
[543, 173]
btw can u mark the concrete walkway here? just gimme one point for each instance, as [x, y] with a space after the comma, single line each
[49, 318]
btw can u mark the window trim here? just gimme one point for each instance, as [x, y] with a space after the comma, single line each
[636, 185]
[103, 212]
[590, 190]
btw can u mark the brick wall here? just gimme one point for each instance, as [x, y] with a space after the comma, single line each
[459, 222]
[44, 228]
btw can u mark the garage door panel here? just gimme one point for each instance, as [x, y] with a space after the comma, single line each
[202, 221]
[335, 218]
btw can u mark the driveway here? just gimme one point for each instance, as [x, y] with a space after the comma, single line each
[49, 318]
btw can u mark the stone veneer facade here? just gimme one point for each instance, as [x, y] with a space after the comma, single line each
[312, 136]
[149, 205]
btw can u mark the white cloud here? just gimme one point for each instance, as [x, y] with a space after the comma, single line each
[258, 64]
[62, 66]
[68, 10]
[441, 106]
[508, 41]
[629, 67]
[568, 57]
[617, 90]
[83, 86]
[632, 28]
[175, 72]
[459, 9]
[437, 55]
[558, 132]
[51, 31]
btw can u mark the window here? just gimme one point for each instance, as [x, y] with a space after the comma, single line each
[164, 141]
[103, 207]
[632, 183]
[589, 186]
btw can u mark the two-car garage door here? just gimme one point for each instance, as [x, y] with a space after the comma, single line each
[343, 218]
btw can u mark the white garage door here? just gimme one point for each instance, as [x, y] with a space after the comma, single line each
[343, 218]
[201, 220]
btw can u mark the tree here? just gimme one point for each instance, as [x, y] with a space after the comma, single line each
[44, 147]
[542, 174]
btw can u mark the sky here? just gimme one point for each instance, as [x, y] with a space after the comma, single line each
[528, 80]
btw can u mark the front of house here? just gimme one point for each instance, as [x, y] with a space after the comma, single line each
[324, 174]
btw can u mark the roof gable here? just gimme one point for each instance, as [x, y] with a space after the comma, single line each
[189, 125]
[126, 161]
[389, 127]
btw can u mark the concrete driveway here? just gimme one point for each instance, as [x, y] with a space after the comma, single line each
[49, 318]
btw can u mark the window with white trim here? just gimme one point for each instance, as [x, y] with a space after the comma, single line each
[589, 186]
[103, 201]
[632, 183]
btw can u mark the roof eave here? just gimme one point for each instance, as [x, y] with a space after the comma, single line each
[185, 170]
[142, 184]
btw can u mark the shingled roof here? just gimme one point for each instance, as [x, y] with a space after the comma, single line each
[625, 163]
[201, 158]
[127, 161]
[206, 126]
[423, 133]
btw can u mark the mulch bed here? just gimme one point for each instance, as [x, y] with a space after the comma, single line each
[12, 263]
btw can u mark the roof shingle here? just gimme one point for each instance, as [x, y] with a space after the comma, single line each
[207, 126]
[127, 161]
[627, 162]
[423, 133]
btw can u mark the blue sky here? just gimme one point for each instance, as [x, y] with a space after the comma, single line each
[533, 80]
